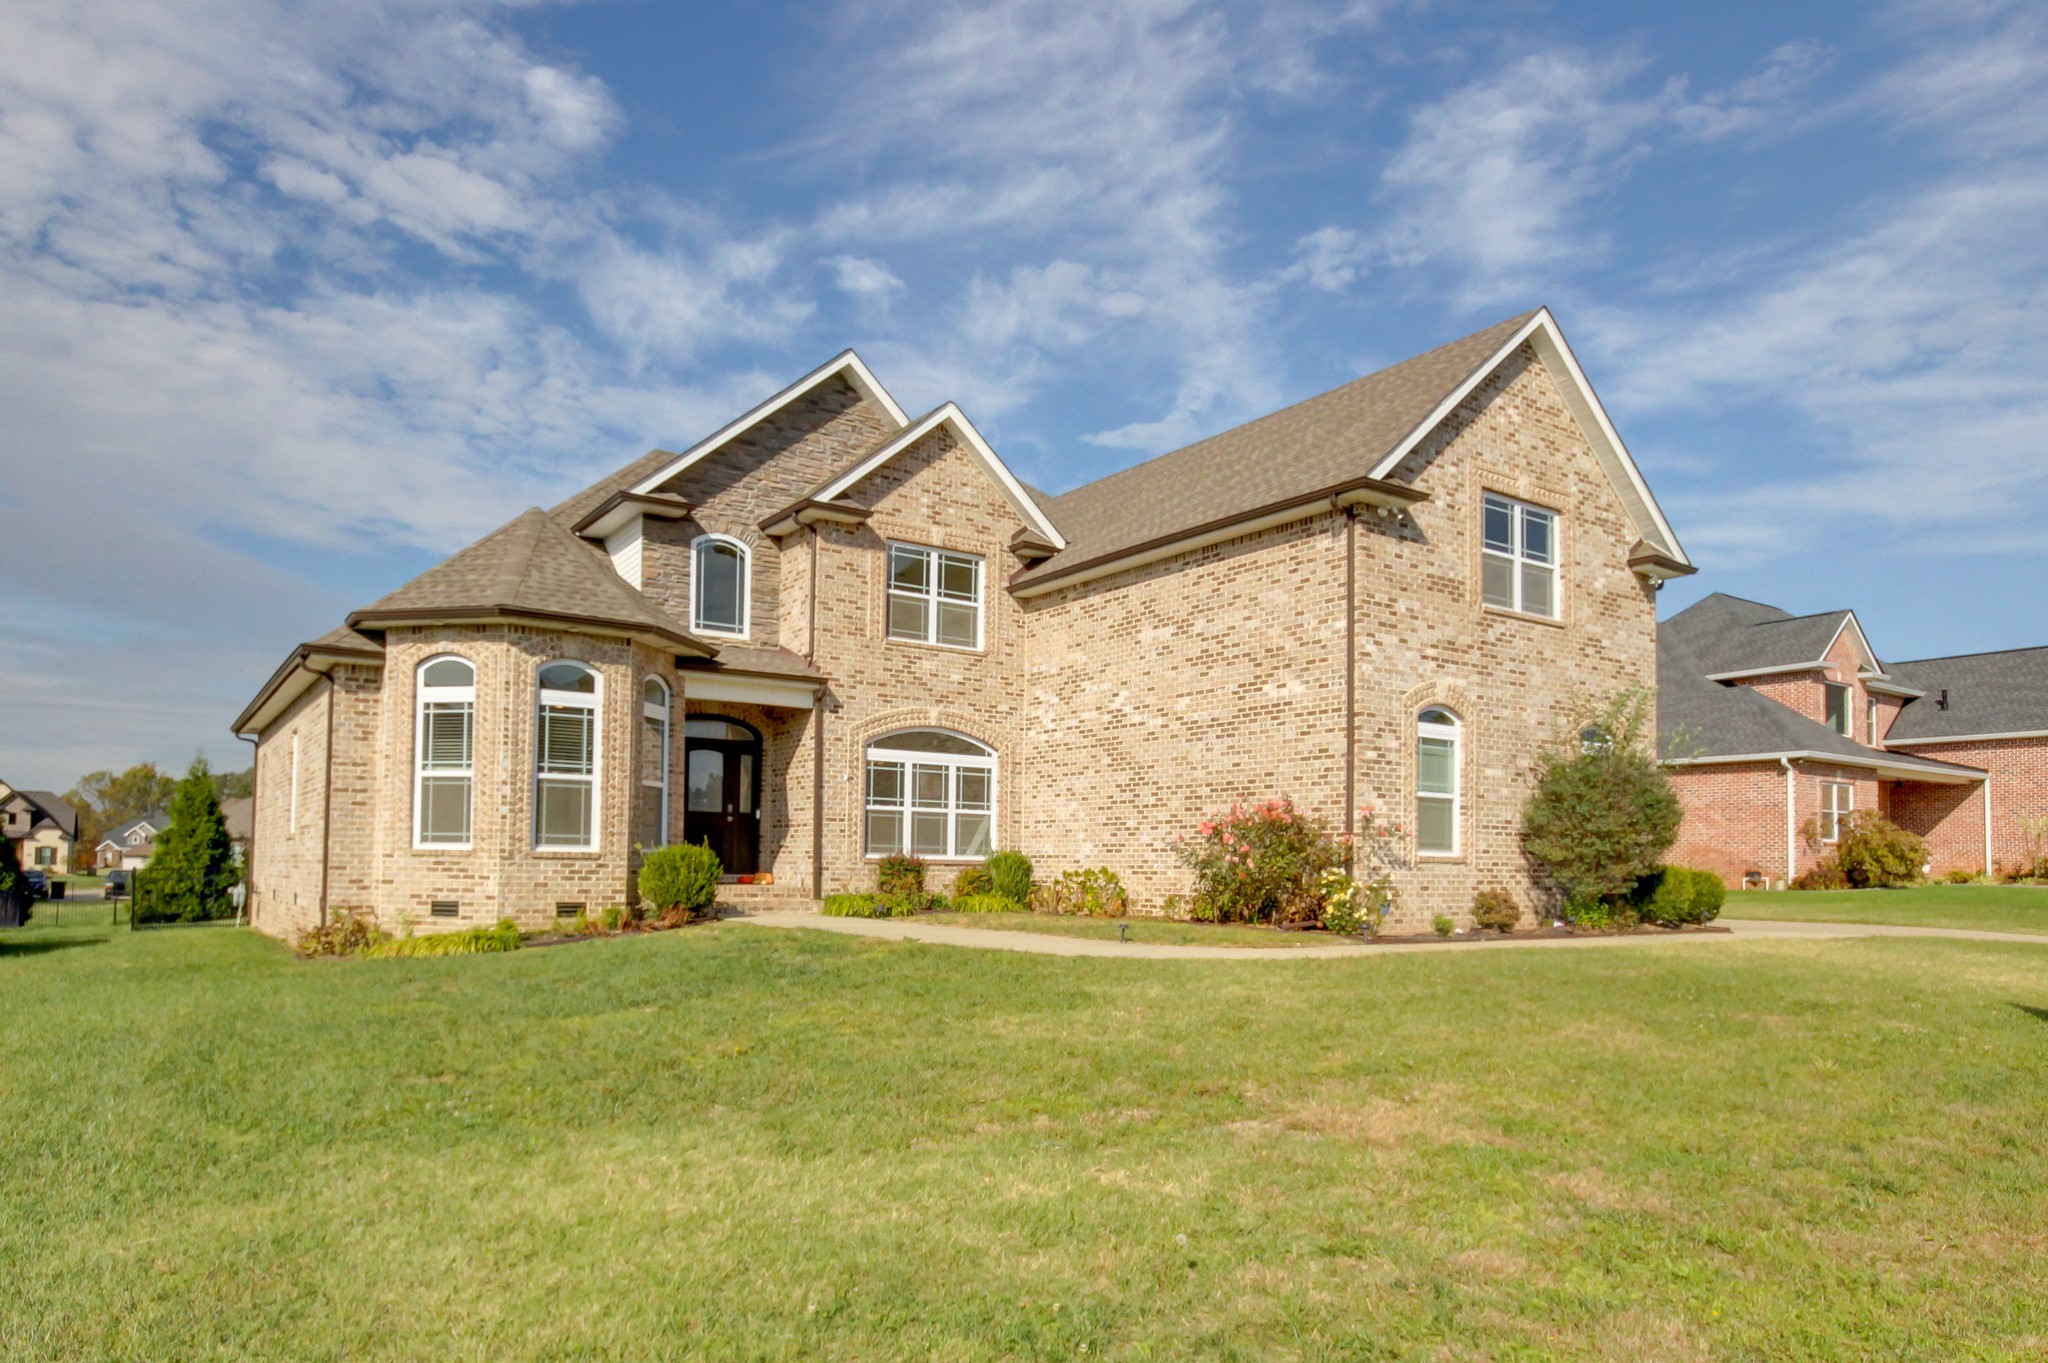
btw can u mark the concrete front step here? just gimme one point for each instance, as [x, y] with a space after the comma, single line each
[762, 899]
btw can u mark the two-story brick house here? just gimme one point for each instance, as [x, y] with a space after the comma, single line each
[830, 630]
[1777, 727]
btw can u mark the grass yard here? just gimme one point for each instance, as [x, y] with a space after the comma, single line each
[739, 1142]
[1993, 908]
[1151, 931]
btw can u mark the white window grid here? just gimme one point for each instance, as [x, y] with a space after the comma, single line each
[698, 622]
[930, 592]
[435, 760]
[567, 711]
[930, 786]
[656, 713]
[1837, 803]
[1518, 556]
[1446, 735]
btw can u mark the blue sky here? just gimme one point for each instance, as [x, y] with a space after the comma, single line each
[297, 299]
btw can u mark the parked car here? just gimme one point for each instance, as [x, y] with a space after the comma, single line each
[38, 883]
[117, 885]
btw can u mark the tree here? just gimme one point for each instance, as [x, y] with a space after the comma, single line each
[105, 800]
[12, 881]
[234, 785]
[1603, 812]
[189, 876]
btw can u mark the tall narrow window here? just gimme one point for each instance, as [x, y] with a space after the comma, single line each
[292, 781]
[1837, 802]
[1838, 707]
[719, 582]
[934, 596]
[444, 753]
[1518, 556]
[565, 767]
[654, 758]
[1870, 709]
[1437, 796]
[932, 794]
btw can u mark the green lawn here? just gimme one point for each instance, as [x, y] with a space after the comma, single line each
[737, 1142]
[1152, 931]
[1995, 908]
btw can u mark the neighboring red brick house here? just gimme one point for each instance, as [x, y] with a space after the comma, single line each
[1774, 723]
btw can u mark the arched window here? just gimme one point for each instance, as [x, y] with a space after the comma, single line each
[719, 583]
[932, 794]
[1437, 795]
[444, 752]
[565, 758]
[654, 762]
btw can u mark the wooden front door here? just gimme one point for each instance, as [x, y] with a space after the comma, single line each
[722, 799]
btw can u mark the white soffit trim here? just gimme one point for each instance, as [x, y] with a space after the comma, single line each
[793, 695]
[846, 364]
[1778, 671]
[1862, 641]
[1956, 775]
[951, 415]
[1542, 331]
[1964, 738]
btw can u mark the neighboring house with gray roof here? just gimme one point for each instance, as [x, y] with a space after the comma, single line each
[1777, 727]
[833, 630]
[129, 846]
[41, 824]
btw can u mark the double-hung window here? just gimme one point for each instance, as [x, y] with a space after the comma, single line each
[931, 794]
[1838, 707]
[1837, 801]
[1437, 794]
[565, 765]
[720, 576]
[445, 747]
[934, 596]
[654, 764]
[1518, 556]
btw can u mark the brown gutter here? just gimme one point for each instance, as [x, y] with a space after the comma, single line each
[300, 657]
[658, 505]
[462, 615]
[811, 510]
[1643, 559]
[1373, 490]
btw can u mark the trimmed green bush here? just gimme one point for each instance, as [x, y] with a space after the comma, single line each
[680, 878]
[1496, 909]
[1602, 813]
[982, 903]
[468, 942]
[899, 873]
[1826, 876]
[1010, 875]
[973, 880]
[1874, 851]
[863, 904]
[1443, 925]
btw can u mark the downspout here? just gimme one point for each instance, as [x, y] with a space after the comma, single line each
[811, 625]
[249, 852]
[818, 795]
[327, 802]
[1791, 816]
[1350, 686]
[1987, 824]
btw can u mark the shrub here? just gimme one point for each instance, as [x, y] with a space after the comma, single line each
[189, 877]
[900, 873]
[1010, 875]
[680, 879]
[860, 905]
[1673, 896]
[1826, 876]
[468, 942]
[1093, 893]
[1496, 909]
[1874, 851]
[346, 934]
[1343, 910]
[982, 903]
[1443, 925]
[1602, 814]
[973, 880]
[1708, 895]
[1960, 877]
[1262, 863]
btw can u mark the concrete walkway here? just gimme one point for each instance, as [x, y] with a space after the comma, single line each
[1052, 944]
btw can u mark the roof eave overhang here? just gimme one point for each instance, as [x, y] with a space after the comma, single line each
[811, 511]
[1779, 670]
[665, 639]
[1644, 561]
[1891, 688]
[306, 663]
[620, 509]
[1965, 738]
[1943, 774]
[1392, 499]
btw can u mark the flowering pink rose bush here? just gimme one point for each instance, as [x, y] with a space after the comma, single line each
[1261, 863]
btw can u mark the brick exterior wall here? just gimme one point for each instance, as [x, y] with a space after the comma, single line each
[1121, 710]
[1952, 818]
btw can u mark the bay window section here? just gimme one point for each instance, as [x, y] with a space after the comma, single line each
[444, 748]
[934, 596]
[1437, 795]
[1518, 556]
[930, 794]
[565, 765]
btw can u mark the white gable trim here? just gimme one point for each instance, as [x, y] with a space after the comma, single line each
[978, 448]
[1542, 331]
[1849, 620]
[846, 365]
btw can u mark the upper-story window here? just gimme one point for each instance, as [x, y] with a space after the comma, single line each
[719, 580]
[1438, 797]
[444, 753]
[1518, 557]
[934, 596]
[1838, 707]
[565, 758]
[1870, 708]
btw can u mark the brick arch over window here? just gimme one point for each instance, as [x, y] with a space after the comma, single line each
[1000, 738]
[1459, 701]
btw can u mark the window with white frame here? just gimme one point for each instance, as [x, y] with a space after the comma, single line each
[1837, 801]
[720, 575]
[932, 794]
[934, 596]
[565, 758]
[1518, 556]
[444, 753]
[291, 782]
[654, 761]
[1870, 710]
[1837, 707]
[1437, 794]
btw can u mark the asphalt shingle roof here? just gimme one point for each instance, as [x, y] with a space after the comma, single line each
[1728, 634]
[1988, 693]
[1299, 451]
[56, 807]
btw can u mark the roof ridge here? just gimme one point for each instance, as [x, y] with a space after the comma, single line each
[1986, 653]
